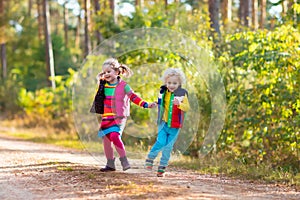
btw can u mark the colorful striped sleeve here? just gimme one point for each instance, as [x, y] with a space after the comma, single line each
[135, 98]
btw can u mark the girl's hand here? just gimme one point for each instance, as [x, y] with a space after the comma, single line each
[100, 76]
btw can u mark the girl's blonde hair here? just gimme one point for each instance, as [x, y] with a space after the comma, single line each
[121, 68]
[174, 72]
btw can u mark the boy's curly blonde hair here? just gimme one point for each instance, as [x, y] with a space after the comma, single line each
[174, 72]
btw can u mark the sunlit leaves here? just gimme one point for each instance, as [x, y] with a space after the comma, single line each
[263, 84]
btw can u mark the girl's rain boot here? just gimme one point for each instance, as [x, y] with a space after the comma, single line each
[110, 166]
[125, 164]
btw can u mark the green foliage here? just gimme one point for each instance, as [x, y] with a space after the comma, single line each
[260, 72]
[220, 164]
[105, 23]
[47, 107]
[9, 90]
[153, 17]
[25, 57]
[62, 57]
[262, 75]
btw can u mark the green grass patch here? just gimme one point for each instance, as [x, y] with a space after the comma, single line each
[44, 136]
[91, 176]
[65, 168]
[237, 169]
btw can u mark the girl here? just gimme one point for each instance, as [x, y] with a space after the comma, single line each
[172, 105]
[112, 102]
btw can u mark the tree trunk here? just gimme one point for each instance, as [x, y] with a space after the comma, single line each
[263, 10]
[112, 7]
[3, 39]
[77, 33]
[254, 14]
[294, 13]
[241, 12]
[244, 13]
[291, 3]
[40, 19]
[98, 35]
[284, 5]
[3, 61]
[66, 17]
[139, 4]
[48, 45]
[57, 24]
[226, 11]
[166, 7]
[29, 7]
[87, 42]
[247, 18]
[214, 7]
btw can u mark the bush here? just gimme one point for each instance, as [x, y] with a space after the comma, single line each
[49, 107]
[262, 75]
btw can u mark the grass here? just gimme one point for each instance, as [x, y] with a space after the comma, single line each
[235, 169]
[65, 140]
[65, 168]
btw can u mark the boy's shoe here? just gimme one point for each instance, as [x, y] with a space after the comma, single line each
[161, 171]
[125, 164]
[110, 166]
[149, 164]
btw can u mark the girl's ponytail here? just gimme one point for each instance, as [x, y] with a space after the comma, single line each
[125, 71]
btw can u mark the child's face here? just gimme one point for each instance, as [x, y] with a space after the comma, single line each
[109, 74]
[172, 83]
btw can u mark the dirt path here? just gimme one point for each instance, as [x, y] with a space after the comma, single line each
[38, 171]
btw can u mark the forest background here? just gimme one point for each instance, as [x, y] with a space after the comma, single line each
[255, 43]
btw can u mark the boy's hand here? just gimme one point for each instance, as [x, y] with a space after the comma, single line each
[176, 101]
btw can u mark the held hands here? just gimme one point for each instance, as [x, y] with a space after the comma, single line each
[152, 105]
[177, 100]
